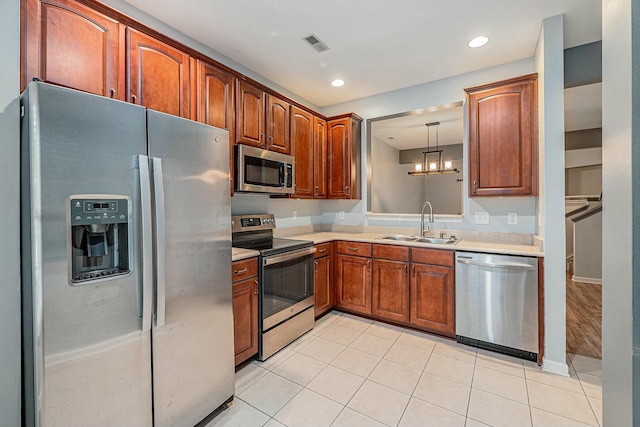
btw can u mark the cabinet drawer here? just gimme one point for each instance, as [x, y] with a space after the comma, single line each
[432, 256]
[398, 253]
[244, 269]
[322, 250]
[354, 248]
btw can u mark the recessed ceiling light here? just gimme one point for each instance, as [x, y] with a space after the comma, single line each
[337, 83]
[478, 41]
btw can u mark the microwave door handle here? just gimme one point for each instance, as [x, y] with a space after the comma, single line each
[283, 178]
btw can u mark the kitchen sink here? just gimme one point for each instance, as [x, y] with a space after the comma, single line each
[437, 240]
[400, 237]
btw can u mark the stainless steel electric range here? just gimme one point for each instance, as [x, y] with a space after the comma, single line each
[286, 300]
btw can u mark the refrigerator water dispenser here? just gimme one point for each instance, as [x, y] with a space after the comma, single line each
[98, 247]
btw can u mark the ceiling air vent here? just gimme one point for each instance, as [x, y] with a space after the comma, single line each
[316, 43]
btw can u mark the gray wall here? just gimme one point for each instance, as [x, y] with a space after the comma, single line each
[393, 190]
[10, 225]
[620, 227]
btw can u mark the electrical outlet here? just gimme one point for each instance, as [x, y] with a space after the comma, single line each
[294, 214]
[512, 218]
[341, 215]
[482, 218]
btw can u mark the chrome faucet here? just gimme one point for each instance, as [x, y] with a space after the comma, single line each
[422, 230]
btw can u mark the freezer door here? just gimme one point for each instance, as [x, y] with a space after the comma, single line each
[87, 361]
[192, 335]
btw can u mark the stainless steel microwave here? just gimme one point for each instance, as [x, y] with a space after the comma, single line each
[262, 171]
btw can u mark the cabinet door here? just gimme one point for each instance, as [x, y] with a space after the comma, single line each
[339, 159]
[302, 143]
[353, 283]
[324, 294]
[245, 319]
[503, 138]
[433, 298]
[71, 45]
[158, 75]
[250, 115]
[215, 103]
[278, 125]
[390, 290]
[319, 158]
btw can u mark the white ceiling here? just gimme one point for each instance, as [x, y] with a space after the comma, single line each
[375, 45]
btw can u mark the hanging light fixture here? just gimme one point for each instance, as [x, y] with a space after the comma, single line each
[432, 167]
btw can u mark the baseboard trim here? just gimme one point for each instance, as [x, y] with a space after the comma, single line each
[554, 367]
[590, 280]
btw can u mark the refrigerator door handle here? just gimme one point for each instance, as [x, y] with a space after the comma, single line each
[160, 242]
[147, 242]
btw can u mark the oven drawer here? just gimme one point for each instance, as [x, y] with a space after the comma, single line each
[354, 248]
[244, 269]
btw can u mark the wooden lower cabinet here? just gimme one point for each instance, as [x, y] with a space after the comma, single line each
[432, 298]
[353, 283]
[324, 292]
[390, 290]
[245, 314]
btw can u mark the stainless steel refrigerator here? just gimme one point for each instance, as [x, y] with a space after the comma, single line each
[126, 271]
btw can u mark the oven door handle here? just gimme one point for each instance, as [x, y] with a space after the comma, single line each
[275, 259]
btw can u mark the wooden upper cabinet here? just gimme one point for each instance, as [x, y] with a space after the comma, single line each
[302, 129]
[250, 115]
[319, 158]
[503, 138]
[215, 102]
[343, 140]
[278, 125]
[158, 75]
[69, 44]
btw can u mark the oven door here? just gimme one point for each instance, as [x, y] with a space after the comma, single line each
[286, 283]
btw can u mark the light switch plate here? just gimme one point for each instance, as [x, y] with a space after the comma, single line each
[482, 218]
[341, 214]
[512, 218]
[294, 214]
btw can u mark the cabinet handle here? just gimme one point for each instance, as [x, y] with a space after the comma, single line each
[369, 265]
[475, 187]
[346, 190]
[353, 249]
[316, 187]
[315, 268]
[413, 270]
[134, 99]
[113, 93]
[244, 270]
[257, 286]
[323, 250]
[406, 270]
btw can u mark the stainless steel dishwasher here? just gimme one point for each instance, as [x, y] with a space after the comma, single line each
[497, 303]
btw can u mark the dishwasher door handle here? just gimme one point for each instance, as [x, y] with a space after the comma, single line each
[506, 266]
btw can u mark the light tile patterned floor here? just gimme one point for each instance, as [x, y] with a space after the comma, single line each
[354, 372]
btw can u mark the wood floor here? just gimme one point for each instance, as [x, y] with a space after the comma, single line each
[584, 318]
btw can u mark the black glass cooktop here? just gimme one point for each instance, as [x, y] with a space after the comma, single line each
[273, 246]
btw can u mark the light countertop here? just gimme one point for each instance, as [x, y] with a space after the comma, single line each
[238, 254]
[461, 245]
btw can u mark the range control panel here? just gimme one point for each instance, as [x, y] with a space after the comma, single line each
[253, 222]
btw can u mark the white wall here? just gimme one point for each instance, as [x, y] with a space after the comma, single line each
[619, 173]
[10, 224]
[549, 60]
